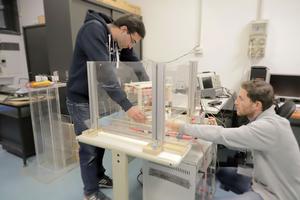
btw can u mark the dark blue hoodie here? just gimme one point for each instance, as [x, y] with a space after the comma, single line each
[92, 45]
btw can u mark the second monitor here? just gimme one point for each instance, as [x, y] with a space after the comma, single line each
[286, 86]
[207, 80]
[209, 84]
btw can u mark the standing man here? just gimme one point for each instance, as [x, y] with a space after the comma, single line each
[276, 156]
[100, 39]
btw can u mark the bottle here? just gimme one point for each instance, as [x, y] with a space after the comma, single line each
[55, 77]
[67, 75]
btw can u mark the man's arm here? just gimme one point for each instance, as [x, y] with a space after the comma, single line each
[258, 135]
[94, 41]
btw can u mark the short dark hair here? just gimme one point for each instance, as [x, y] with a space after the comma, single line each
[134, 24]
[259, 91]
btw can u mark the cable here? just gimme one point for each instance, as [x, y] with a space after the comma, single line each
[175, 59]
[138, 177]
[189, 52]
[233, 106]
[227, 91]
[212, 115]
[221, 113]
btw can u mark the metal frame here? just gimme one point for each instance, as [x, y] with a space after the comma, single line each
[121, 150]
[93, 97]
[192, 87]
[158, 104]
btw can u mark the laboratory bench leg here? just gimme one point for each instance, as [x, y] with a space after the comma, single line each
[120, 175]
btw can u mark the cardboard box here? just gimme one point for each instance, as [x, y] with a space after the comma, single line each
[121, 4]
[41, 19]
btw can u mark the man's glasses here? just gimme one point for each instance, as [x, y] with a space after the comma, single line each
[133, 42]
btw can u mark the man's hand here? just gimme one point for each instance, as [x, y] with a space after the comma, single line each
[212, 121]
[174, 125]
[136, 114]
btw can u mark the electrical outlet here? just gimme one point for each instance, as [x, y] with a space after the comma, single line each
[257, 46]
[257, 39]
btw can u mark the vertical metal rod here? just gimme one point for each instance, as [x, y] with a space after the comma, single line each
[193, 69]
[158, 103]
[93, 97]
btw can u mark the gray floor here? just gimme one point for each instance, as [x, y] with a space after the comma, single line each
[14, 185]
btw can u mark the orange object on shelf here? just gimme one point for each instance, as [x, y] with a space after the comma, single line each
[38, 84]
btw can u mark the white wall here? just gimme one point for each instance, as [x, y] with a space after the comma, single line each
[225, 38]
[172, 31]
[283, 46]
[16, 60]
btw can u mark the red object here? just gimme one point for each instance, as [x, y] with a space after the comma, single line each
[174, 134]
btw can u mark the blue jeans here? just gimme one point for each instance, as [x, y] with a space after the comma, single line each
[237, 183]
[231, 180]
[90, 157]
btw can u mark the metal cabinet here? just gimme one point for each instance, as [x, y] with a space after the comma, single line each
[16, 129]
[63, 21]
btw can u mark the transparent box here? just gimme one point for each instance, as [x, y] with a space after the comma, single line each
[55, 142]
[151, 88]
[161, 92]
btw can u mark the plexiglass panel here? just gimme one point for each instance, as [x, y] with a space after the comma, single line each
[182, 95]
[114, 87]
[53, 135]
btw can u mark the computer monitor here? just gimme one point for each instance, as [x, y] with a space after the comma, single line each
[208, 81]
[286, 86]
[209, 85]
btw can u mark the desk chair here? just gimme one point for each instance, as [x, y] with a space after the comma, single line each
[286, 110]
[228, 176]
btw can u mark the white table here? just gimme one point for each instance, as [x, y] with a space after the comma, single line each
[123, 146]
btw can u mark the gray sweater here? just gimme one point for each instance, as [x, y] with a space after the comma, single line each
[276, 155]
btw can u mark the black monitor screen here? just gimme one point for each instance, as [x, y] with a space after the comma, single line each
[285, 85]
[207, 82]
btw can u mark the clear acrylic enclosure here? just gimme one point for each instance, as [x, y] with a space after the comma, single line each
[159, 91]
[55, 143]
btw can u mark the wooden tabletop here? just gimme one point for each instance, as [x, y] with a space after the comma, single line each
[15, 103]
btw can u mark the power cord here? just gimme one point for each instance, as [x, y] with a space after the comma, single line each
[217, 119]
[193, 50]
[140, 175]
